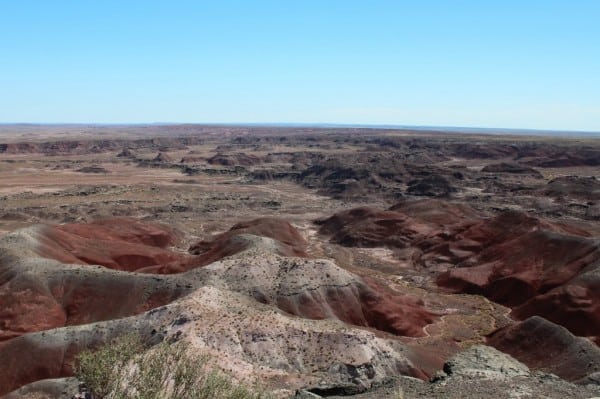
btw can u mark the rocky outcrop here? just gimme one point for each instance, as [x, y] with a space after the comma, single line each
[544, 345]
[512, 168]
[574, 304]
[401, 225]
[235, 159]
[130, 245]
[535, 266]
[264, 343]
[513, 257]
[484, 362]
[316, 289]
[291, 241]
[584, 188]
[117, 243]
[82, 147]
[431, 186]
[567, 157]
[372, 227]
[41, 294]
[299, 314]
[483, 372]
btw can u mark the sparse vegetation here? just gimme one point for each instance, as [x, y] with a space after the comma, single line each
[126, 369]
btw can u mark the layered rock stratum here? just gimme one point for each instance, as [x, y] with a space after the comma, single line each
[261, 309]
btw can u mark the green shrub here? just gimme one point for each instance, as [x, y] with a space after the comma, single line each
[124, 369]
[101, 368]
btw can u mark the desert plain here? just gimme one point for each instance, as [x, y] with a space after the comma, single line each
[316, 261]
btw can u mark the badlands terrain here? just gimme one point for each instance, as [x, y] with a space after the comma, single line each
[318, 262]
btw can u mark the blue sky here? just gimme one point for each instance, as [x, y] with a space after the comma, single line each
[508, 64]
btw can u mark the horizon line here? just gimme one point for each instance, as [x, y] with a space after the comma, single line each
[304, 124]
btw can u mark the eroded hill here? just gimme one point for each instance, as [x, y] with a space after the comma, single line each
[331, 261]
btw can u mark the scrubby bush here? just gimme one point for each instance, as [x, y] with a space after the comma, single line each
[125, 369]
